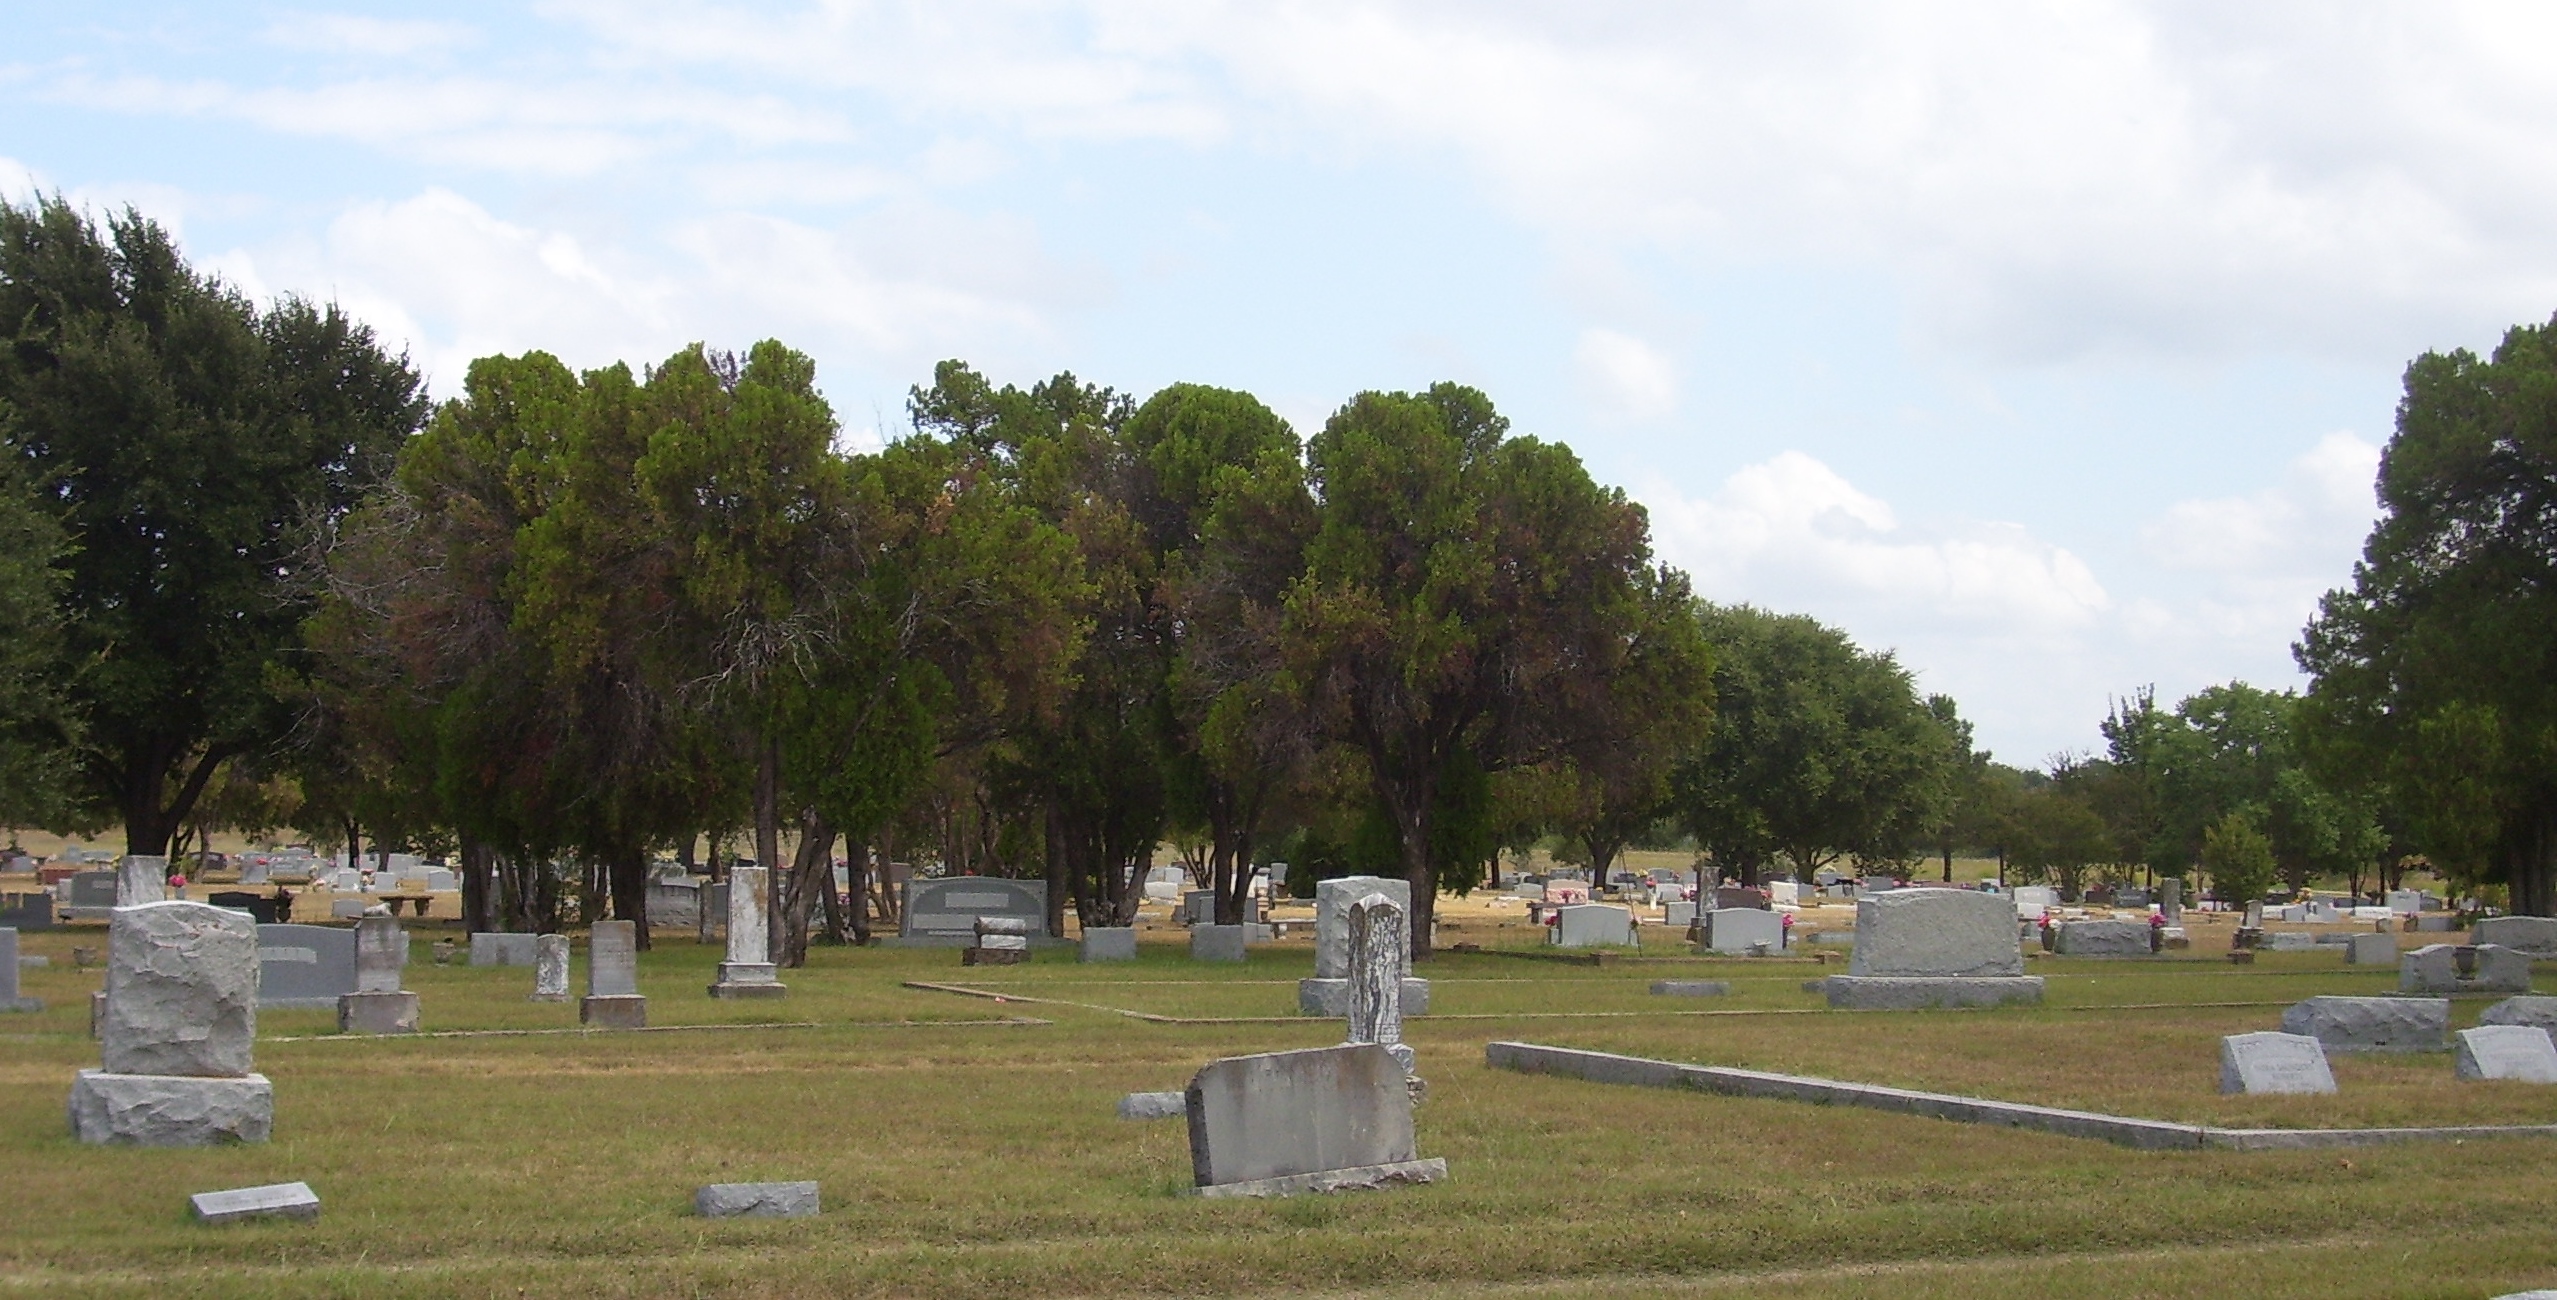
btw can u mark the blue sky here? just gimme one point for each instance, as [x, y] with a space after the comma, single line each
[2050, 346]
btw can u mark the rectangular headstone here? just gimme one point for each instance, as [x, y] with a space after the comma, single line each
[1109, 943]
[274, 1201]
[2345, 1024]
[26, 912]
[1332, 899]
[1219, 942]
[2534, 936]
[1935, 933]
[756, 1200]
[141, 879]
[1743, 930]
[304, 966]
[489, 948]
[1594, 925]
[9, 998]
[2371, 950]
[181, 991]
[2031, 901]
[2522, 1052]
[381, 952]
[612, 960]
[2274, 1063]
[91, 889]
[1282, 1115]
[2101, 939]
[550, 968]
[1678, 915]
[947, 909]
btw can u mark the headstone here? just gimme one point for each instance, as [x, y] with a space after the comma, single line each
[1678, 916]
[274, 1201]
[756, 1200]
[550, 968]
[2031, 901]
[2444, 969]
[2371, 950]
[1108, 943]
[9, 999]
[1743, 930]
[2170, 893]
[2101, 939]
[1218, 942]
[1933, 948]
[672, 904]
[1000, 941]
[612, 997]
[1328, 993]
[2524, 1010]
[2274, 1063]
[1594, 925]
[89, 893]
[346, 909]
[2372, 1024]
[1379, 939]
[749, 971]
[946, 910]
[489, 948]
[378, 1005]
[2254, 915]
[141, 879]
[1154, 1105]
[441, 881]
[1784, 891]
[714, 912]
[176, 1032]
[1325, 1119]
[2534, 936]
[2522, 1052]
[2405, 902]
[1691, 988]
[1727, 897]
[255, 872]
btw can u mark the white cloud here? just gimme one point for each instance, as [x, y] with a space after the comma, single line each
[384, 37]
[1625, 376]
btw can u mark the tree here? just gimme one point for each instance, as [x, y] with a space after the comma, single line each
[1623, 733]
[37, 727]
[2239, 858]
[1969, 812]
[2056, 836]
[1461, 588]
[192, 445]
[2434, 677]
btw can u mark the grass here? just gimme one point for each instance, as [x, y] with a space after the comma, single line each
[984, 1157]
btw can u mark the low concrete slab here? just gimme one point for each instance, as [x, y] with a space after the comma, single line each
[1913, 993]
[756, 1200]
[273, 1201]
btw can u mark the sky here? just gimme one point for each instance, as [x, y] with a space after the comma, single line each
[2050, 347]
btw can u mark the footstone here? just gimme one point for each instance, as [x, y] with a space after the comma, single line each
[181, 992]
[749, 971]
[2101, 939]
[493, 949]
[2526, 1010]
[1322, 997]
[550, 968]
[2521, 1052]
[756, 1200]
[1594, 925]
[1936, 933]
[2274, 1063]
[2533, 935]
[2371, 950]
[377, 1013]
[273, 1201]
[1154, 1105]
[1691, 988]
[166, 1110]
[1743, 930]
[1911, 993]
[1217, 942]
[2344, 1024]
[9, 999]
[1315, 1120]
[1108, 943]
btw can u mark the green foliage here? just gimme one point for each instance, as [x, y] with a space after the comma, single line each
[37, 726]
[2053, 834]
[2239, 859]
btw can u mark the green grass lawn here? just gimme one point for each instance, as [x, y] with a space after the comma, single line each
[961, 1153]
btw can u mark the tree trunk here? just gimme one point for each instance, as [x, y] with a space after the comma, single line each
[856, 856]
[768, 832]
[626, 873]
[2530, 862]
[1060, 883]
[811, 873]
[479, 887]
[354, 845]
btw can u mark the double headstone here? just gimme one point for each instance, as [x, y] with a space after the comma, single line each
[2532, 936]
[1594, 925]
[2443, 969]
[749, 971]
[378, 1005]
[945, 911]
[1328, 993]
[176, 1038]
[1934, 948]
[612, 997]
[550, 968]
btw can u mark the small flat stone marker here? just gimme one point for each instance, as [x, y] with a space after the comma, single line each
[2522, 1052]
[1154, 1105]
[2274, 1063]
[273, 1201]
[1702, 988]
[756, 1200]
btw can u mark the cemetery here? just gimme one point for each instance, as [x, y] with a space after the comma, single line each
[976, 1107]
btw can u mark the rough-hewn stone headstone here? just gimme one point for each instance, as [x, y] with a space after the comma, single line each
[2533, 935]
[489, 948]
[1332, 899]
[1378, 936]
[1912, 933]
[1743, 930]
[550, 968]
[2524, 1010]
[612, 997]
[181, 991]
[2522, 1052]
[2345, 1024]
[1108, 943]
[273, 1201]
[2101, 939]
[1316, 1120]
[756, 1200]
[170, 1110]
[141, 879]
[2274, 1063]
[1594, 925]
[749, 971]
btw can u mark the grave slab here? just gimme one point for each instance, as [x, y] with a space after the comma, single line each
[756, 1200]
[273, 1201]
[2345, 1024]
[1691, 988]
[2274, 1063]
[1914, 993]
[2520, 1052]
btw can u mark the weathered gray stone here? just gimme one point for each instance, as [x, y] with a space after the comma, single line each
[168, 1110]
[612, 997]
[394, 1012]
[1365, 1178]
[2100, 939]
[1280, 1117]
[1322, 997]
[618, 1011]
[756, 1200]
[2171, 900]
[2344, 1024]
[1332, 899]
[2522, 1052]
[9, 998]
[1934, 933]
[1378, 936]
[2274, 1063]
[1218, 942]
[1911, 992]
[181, 991]
[1743, 930]
[2533, 935]
[1594, 925]
[2287, 941]
[2371, 950]
[2435, 969]
[1154, 1105]
[305, 967]
[273, 1201]
[1691, 988]
[493, 949]
[381, 954]
[550, 968]
[141, 879]
[2525, 1010]
[1108, 943]
[946, 910]
[749, 971]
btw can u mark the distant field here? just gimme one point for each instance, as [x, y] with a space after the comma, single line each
[983, 1158]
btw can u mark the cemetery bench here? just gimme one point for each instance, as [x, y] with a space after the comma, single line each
[393, 901]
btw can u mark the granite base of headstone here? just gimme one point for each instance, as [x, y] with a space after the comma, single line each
[2519, 1052]
[1320, 1120]
[176, 1033]
[1220, 943]
[2443, 969]
[2100, 939]
[2347, 1024]
[612, 998]
[2370, 950]
[294, 1201]
[489, 948]
[1923, 948]
[550, 968]
[1108, 943]
[10, 999]
[2525, 1010]
[756, 1200]
[1322, 997]
[2274, 1063]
